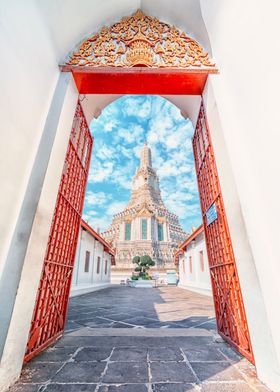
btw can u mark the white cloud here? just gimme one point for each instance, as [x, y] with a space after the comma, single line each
[131, 134]
[100, 172]
[140, 108]
[109, 125]
[96, 199]
[115, 207]
[123, 175]
[99, 223]
[103, 151]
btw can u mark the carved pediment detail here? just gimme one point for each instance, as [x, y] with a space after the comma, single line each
[140, 40]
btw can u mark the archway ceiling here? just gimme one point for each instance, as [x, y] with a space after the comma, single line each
[70, 21]
[93, 104]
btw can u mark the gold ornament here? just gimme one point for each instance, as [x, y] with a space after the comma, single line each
[140, 40]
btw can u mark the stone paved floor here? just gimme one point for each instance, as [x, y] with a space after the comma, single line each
[123, 339]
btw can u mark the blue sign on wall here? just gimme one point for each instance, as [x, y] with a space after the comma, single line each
[211, 214]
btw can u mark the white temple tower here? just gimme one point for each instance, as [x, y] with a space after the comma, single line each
[145, 226]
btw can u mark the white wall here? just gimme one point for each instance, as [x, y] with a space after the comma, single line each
[246, 106]
[28, 79]
[195, 280]
[26, 290]
[86, 282]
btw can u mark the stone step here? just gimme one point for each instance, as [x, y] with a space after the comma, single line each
[144, 332]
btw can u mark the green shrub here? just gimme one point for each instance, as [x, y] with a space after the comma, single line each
[143, 265]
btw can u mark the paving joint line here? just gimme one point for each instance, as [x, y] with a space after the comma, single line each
[104, 371]
[198, 382]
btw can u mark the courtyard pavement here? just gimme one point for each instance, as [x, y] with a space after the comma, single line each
[124, 339]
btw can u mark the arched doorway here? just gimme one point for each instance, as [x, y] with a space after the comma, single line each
[139, 55]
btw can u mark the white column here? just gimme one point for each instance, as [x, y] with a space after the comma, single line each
[138, 228]
[93, 259]
[156, 230]
[47, 170]
[149, 228]
[133, 230]
[122, 231]
[261, 308]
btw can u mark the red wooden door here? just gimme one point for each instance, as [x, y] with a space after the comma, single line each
[52, 298]
[230, 312]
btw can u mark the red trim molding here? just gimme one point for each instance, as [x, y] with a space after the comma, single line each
[185, 244]
[97, 236]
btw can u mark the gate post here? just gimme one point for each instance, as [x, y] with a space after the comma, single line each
[228, 301]
[36, 218]
[266, 361]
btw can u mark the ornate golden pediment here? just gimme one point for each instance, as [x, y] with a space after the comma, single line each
[144, 211]
[140, 40]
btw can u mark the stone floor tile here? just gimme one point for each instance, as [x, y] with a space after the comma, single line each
[171, 372]
[70, 388]
[196, 342]
[127, 354]
[39, 372]
[94, 321]
[173, 387]
[157, 324]
[72, 326]
[117, 316]
[165, 354]
[105, 325]
[92, 354]
[18, 387]
[87, 372]
[119, 324]
[216, 371]
[56, 354]
[152, 309]
[143, 321]
[205, 353]
[126, 372]
[229, 352]
[211, 326]
[226, 387]
[124, 388]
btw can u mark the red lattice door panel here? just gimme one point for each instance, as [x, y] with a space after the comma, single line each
[52, 298]
[230, 312]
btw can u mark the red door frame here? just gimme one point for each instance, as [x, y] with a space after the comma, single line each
[140, 80]
[229, 306]
[54, 288]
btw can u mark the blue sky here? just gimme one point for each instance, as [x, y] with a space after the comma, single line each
[119, 134]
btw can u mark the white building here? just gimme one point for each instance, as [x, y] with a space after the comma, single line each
[93, 261]
[193, 263]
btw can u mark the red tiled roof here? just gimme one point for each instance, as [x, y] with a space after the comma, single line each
[97, 236]
[184, 244]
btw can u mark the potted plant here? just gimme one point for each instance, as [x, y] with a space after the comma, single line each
[142, 279]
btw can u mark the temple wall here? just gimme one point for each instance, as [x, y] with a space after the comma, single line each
[87, 281]
[195, 278]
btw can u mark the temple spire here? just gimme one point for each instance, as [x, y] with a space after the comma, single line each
[146, 156]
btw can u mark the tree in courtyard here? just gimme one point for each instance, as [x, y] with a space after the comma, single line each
[144, 263]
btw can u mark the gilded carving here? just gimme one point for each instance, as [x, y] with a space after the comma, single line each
[140, 40]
